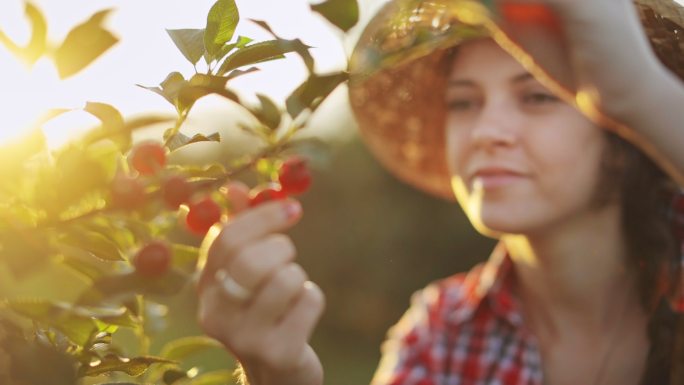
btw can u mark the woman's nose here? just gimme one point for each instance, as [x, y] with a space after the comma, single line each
[495, 127]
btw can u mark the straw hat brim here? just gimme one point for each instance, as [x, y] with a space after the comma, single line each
[398, 74]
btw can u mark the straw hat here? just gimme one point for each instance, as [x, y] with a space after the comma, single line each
[397, 77]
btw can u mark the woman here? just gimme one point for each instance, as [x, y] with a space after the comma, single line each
[578, 289]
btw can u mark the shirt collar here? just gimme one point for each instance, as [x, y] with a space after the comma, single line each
[491, 285]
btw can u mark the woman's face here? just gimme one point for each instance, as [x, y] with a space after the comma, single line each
[521, 159]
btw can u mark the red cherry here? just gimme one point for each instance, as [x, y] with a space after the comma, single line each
[294, 175]
[127, 192]
[148, 157]
[176, 190]
[202, 215]
[530, 13]
[153, 260]
[265, 193]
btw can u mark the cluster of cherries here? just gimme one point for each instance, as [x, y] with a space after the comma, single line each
[149, 158]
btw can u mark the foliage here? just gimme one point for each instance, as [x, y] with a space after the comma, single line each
[88, 208]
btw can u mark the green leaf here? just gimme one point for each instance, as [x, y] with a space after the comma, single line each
[171, 376]
[312, 92]
[37, 44]
[344, 14]
[268, 114]
[181, 140]
[94, 243]
[119, 383]
[490, 4]
[38, 41]
[179, 349]
[83, 44]
[210, 171]
[299, 47]
[235, 73]
[74, 183]
[241, 42]
[201, 85]
[24, 253]
[77, 328]
[83, 263]
[262, 51]
[107, 114]
[34, 362]
[216, 377]
[169, 88]
[222, 20]
[127, 284]
[107, 316]
[190, 42]
[112, 124]
[132, 366]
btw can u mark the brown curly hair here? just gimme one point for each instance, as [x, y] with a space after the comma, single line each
[645, 194]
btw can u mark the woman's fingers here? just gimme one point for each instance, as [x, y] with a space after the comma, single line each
[267, 324]
[300, 321]
[276, 298]
[259, 260]
[244, 229]
[283, 340]
[237, 194]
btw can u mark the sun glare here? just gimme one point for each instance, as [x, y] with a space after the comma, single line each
[144, 55]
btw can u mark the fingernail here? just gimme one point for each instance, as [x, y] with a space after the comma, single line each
[292, 209]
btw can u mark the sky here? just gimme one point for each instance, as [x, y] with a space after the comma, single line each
[145, 55]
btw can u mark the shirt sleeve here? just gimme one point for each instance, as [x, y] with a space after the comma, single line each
[415, 349]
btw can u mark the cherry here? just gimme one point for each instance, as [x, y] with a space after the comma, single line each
[148, 157]
[265, 193]
[153, 260]
[294, 175]
[176, 190]
[127, 192]
[202, 215]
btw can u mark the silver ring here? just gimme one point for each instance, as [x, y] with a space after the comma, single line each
[231, 288]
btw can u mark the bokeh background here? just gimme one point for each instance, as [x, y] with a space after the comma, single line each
[366, 239]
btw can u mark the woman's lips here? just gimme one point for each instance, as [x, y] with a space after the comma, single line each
[495, 178]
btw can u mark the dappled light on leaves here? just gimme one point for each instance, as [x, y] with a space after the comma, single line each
[120, 215]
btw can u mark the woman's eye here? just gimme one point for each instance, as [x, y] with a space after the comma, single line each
[459, 105]
[540, 98]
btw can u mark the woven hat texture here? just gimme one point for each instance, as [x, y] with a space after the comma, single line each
[398, 74]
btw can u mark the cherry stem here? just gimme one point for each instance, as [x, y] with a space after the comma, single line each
[280, 145]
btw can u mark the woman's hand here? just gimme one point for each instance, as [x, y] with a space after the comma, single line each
[593, 47]
[267, 319]
[596, 55]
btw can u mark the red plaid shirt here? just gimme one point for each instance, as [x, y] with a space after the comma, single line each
[468, 330]
[463, 330]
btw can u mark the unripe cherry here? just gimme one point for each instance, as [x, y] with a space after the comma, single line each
[176, 190]
[202, 215]
[127, 192]
[294, 175]
[153, 260]
[148, 157]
